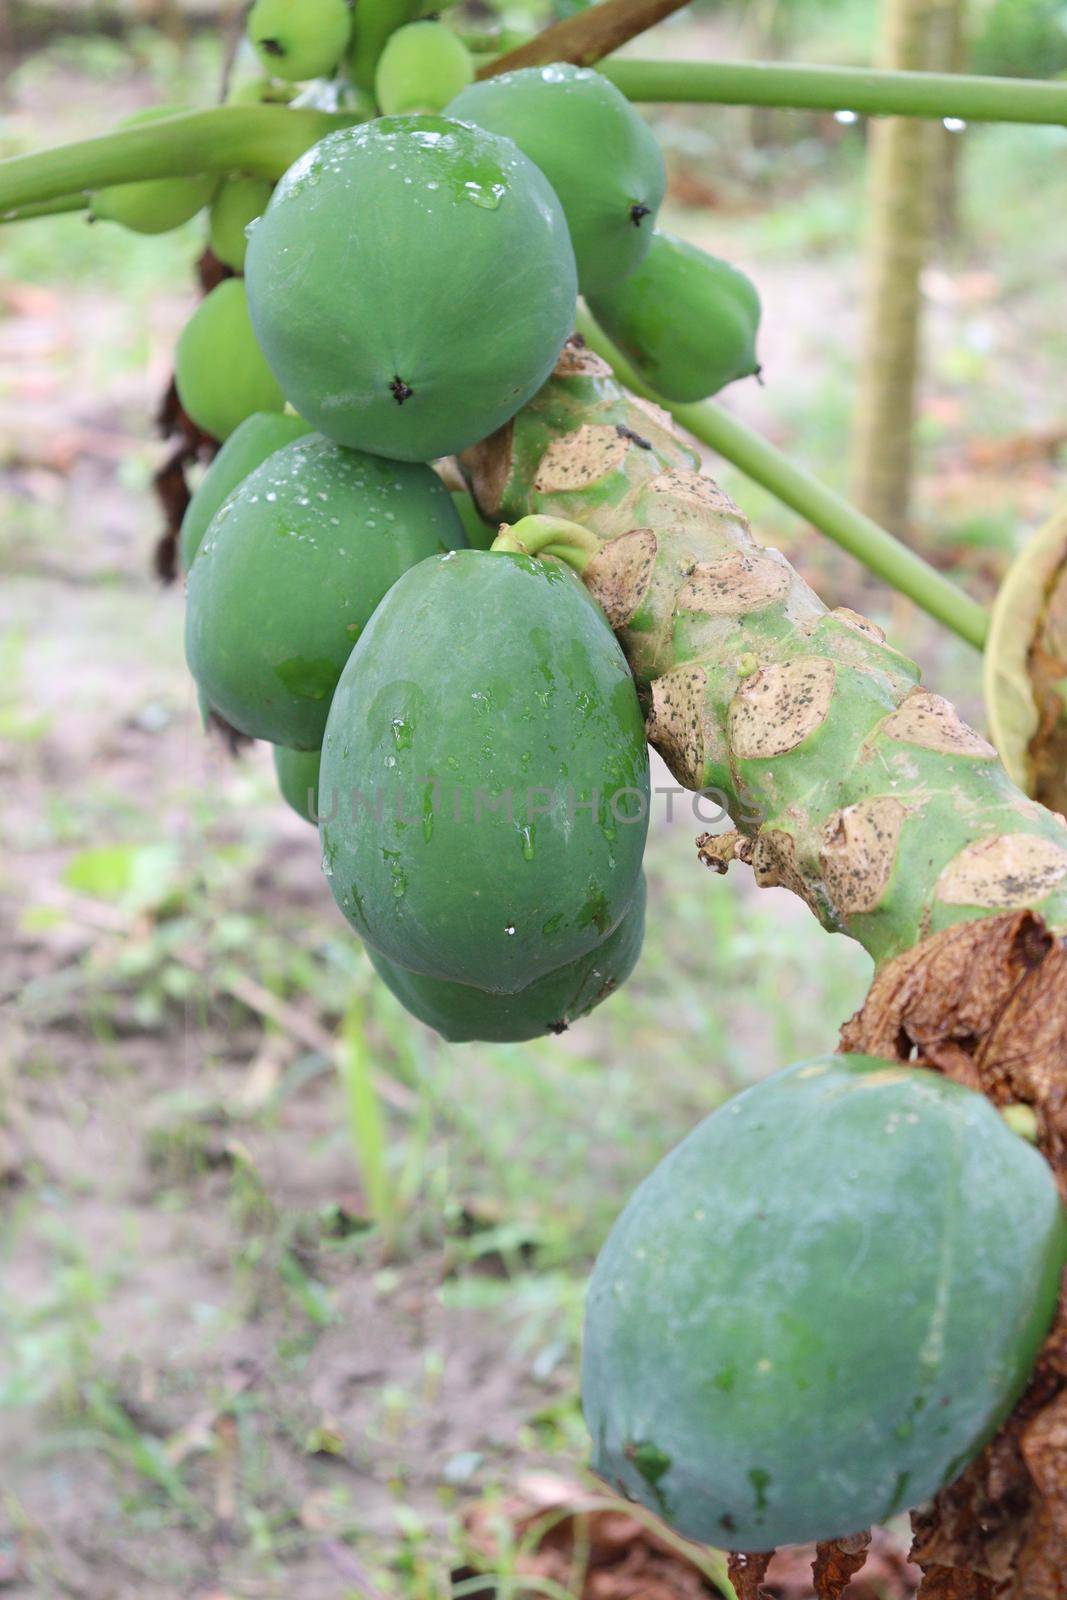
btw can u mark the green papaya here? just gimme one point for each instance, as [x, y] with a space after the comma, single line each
[297, 772]
[155, 205]
[371, 31]
[298, 39]
[219, 370]
[289, 572]
[422, 66]
[485, 773]
[480, 534]
[687, 320]
[462, 1014]
[256, 438]
[371, 273]
[237, 204]
[594, 149]
[820, 1306]
[259, 92]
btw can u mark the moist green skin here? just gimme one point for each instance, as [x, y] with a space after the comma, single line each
[821, 1305]
[248, 446]
[220, 372]
[381, 249]
[486, 672]
[462, 1014]
[289, 572]
[158, 204]
[297, 772]
[687, 320]
[595, 150]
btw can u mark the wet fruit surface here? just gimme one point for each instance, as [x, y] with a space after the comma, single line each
[370, 273]
[248, 446]
[460, 1013]
[594, 149]
[819, 1307]
[289, 573]
[485, 773]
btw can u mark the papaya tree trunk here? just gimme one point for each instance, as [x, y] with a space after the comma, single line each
[867, 796]
[948, 53]
[897, 240]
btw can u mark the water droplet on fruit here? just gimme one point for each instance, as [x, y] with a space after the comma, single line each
[526, 833]
[403, 733]
[510, 930]
[327, 867]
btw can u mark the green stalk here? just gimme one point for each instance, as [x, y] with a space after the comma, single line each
[261, 141]
[826, 510]
[47, 208]
[811, 88]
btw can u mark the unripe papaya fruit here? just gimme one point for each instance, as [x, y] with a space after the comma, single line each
[155, 205]
[462, 1014]
[297, 772]
[819, 1307]
[371, 274]
[687, 320]
[594, 149]
[486, 753]
[260, 92]
[237, 203]
[257, 437]
[289, 572]
[297, 39]
[219, 370]
[422, 66]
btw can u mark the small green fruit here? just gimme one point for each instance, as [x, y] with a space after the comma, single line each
[220, 372]
[422, 66]
[238, 202]
[298, 39]
[687, 320]
[289, 572]
[370, 275]
[248, 445]
[592, 146]
[155, 205]
[487, 751]
[462, 1014]
[818, 1308]
[297, 772]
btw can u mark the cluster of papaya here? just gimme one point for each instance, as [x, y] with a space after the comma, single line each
[459, 720]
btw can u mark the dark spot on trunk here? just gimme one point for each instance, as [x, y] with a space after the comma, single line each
[635, 438]
[638, 213]
[273, 47]
[400, 390]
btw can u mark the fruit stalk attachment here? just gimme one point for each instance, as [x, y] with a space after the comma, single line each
[549, 536]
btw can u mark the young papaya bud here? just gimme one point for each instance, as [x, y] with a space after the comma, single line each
[421, 68]
[298, 39]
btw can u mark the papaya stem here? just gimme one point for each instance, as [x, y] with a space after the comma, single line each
[878, 550]
[261, 141]
[863, 89]
[47, 208]
[549, 536]
[585, 38]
